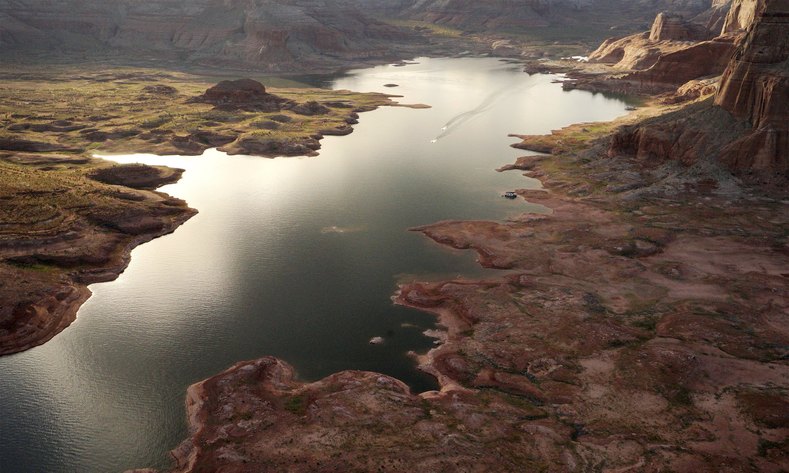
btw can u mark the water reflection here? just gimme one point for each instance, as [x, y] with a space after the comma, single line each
[293, 257]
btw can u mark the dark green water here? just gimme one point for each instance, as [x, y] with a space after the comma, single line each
[262, 270]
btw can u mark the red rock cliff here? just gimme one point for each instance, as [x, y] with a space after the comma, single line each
[747, 126]
[755, 87]
[741, 15]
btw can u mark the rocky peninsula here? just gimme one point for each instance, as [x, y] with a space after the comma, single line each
[640, 326]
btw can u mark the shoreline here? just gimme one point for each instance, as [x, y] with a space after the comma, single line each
[641, 323]
[55, 257]
[614, 323]
[47, 276]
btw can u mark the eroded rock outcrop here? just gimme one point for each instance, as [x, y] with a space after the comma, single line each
[242, 94]
[740, 16]
[747, 126]
[670, 34]
[755, 88]
[673, 69]
[668, 27]
[676, 51]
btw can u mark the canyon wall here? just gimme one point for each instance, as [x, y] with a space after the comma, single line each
[746, 126]
[276, 35]
[296, 35]
[677, 50]
[755, 88]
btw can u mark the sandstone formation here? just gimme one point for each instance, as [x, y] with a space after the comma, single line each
[747, 126]
[755, 88]
[740, 16]
[669, 34]
[242, 94]
[668, 27]
[675, 51]
[673, 69]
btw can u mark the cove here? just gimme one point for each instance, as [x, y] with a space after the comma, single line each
[292, 257]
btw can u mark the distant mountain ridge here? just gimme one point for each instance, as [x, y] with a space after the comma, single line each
[491, 15]
[291, 35]
[265, 34]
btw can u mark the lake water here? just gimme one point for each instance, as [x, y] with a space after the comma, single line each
[292, 257]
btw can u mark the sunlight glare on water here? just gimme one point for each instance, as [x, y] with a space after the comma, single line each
[292, 257]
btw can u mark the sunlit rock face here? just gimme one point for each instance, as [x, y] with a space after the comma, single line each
[675, 28]
[755, 88]
[747, 127]
[740, 16]
[268, 34]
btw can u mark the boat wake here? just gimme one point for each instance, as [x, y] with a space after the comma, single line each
[487, 103]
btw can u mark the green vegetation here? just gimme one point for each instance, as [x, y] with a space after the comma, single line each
[296, 405]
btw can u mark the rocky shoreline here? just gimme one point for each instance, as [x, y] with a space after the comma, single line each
[641, 326]
[54, 241]
[647, 347]
[69, 220]
[637, 357]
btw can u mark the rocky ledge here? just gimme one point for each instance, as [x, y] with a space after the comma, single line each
[242, 94]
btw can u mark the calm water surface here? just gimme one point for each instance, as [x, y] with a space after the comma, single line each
[293, 257]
